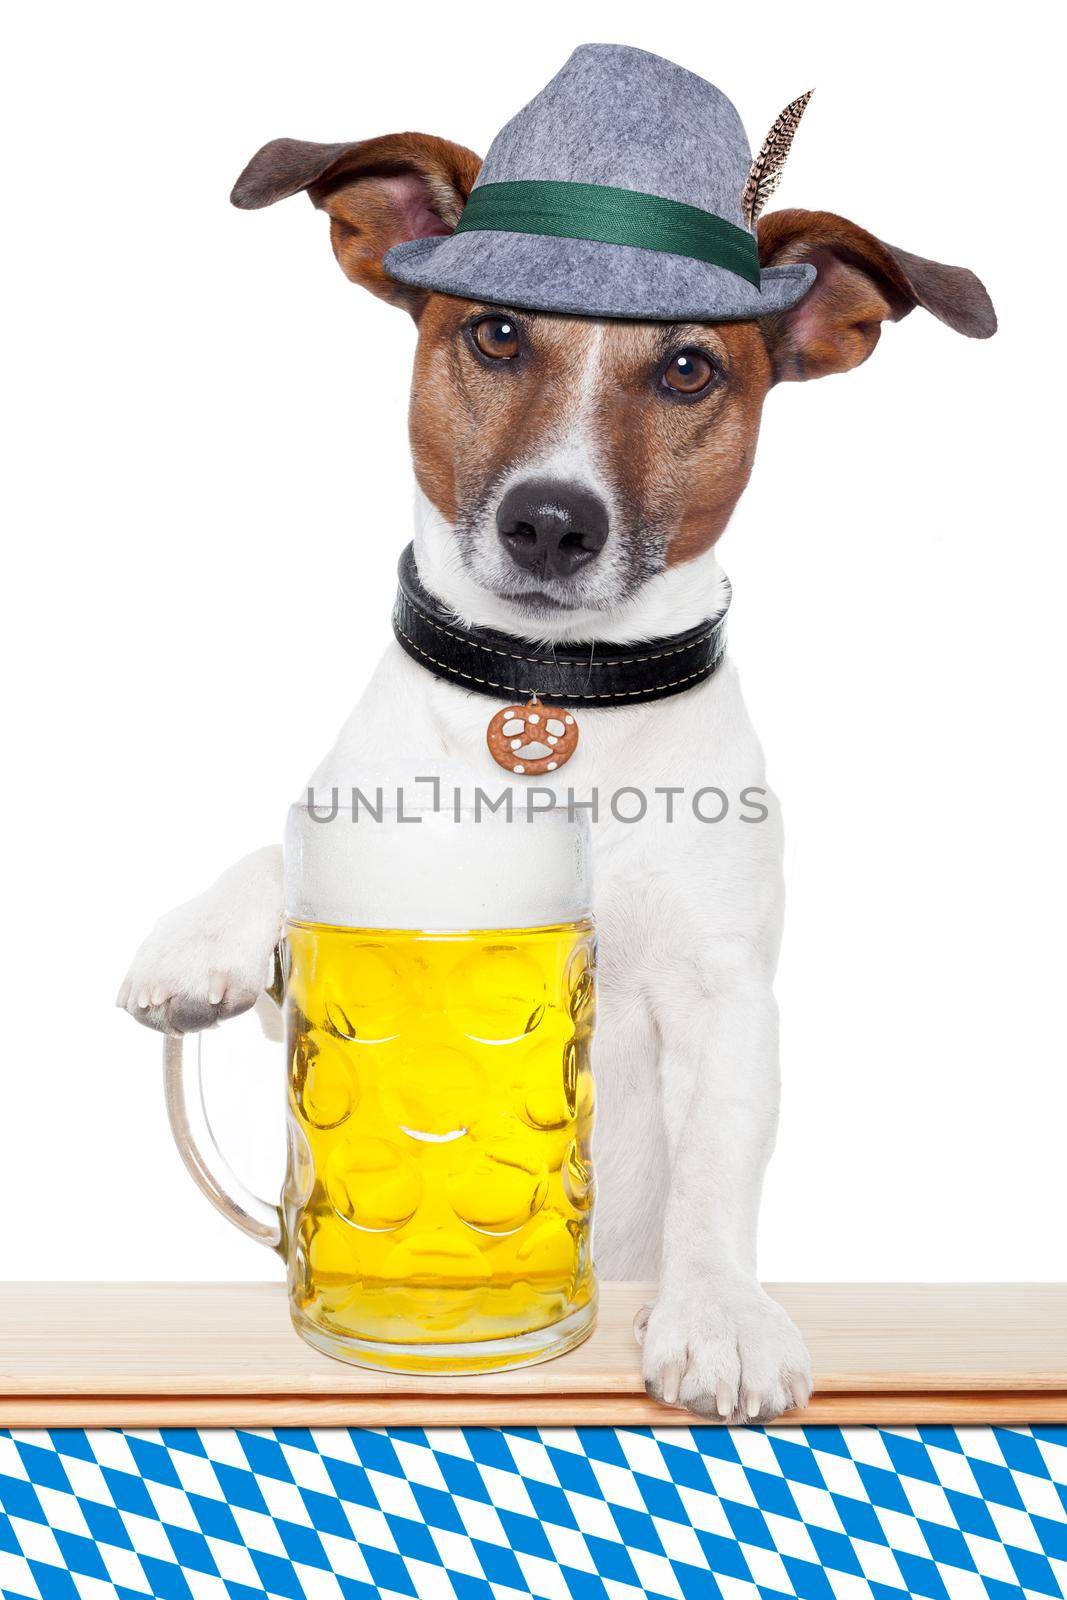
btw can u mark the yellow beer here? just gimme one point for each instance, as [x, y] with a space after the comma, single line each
[438, 1201]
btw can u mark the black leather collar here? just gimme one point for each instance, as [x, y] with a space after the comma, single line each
[592, 674]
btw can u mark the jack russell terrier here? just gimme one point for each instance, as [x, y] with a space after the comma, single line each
[597, 332]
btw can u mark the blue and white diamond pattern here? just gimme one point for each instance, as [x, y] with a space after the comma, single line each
[557, 1514]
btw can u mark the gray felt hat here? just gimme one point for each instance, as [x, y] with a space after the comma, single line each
[615, 193]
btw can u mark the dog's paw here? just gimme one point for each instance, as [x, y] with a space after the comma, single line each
[729, 1352]
[195, 970]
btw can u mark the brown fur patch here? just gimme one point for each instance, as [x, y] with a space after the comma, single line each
[469, 421]
[681, 467]
[377, 193]
[861, 283]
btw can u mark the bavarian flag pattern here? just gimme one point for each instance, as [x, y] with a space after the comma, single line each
[556, 1514]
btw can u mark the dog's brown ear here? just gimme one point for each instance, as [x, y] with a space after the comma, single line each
[861, 283]
[377, 193]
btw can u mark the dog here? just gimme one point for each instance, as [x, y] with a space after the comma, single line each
[574, 476]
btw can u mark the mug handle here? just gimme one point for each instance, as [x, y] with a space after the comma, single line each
[205, 1163]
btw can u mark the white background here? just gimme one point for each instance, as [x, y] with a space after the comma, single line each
[209, 487]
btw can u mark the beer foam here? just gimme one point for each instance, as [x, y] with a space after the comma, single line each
[411, 858]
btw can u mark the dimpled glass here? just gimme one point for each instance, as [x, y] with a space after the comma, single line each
[439, 1194]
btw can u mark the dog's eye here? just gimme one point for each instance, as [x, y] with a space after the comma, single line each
[497, 337]
[689, 372]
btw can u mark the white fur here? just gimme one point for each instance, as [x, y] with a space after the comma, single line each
[676, 599]
[689, 916]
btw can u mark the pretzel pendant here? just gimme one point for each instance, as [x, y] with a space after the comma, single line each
[532, 739]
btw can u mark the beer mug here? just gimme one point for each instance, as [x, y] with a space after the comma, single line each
[437, 973]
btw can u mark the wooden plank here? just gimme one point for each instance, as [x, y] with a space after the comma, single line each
[513, 1411]
[226, 1355]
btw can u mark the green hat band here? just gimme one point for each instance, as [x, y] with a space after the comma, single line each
[612, 216]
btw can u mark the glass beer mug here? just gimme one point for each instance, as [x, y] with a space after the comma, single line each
[438, 982]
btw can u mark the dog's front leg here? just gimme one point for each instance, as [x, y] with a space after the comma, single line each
[212, 957]
[714, 1341]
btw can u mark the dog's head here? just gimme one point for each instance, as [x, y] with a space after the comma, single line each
[571, 464]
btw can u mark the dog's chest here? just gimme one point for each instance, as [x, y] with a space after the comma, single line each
[666, 879]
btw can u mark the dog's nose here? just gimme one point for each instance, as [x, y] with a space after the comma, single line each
[552, 529]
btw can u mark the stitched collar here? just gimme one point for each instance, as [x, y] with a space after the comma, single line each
[506, 668]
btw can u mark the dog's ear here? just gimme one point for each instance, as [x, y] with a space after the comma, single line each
[861, 283]
[377, 193]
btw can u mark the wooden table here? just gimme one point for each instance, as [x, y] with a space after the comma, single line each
[225, 1355]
